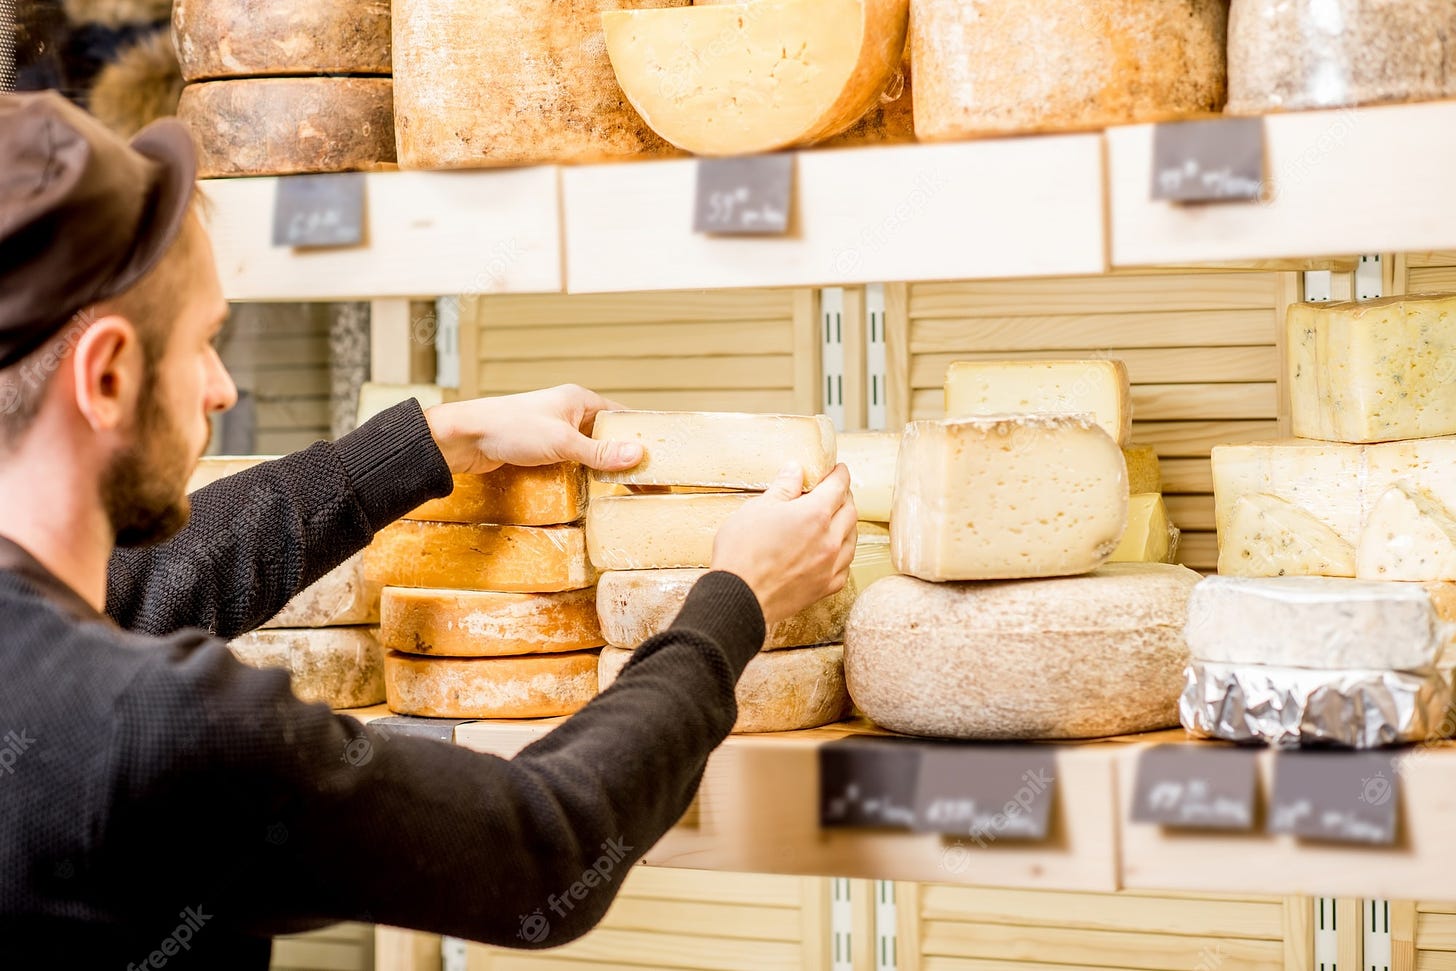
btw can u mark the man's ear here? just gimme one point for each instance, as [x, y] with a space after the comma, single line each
[107, 366]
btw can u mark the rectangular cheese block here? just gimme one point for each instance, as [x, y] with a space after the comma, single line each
[721, 449]
[344, 596]
[546, 495]
[1098, 388]
[1374, 371]
[1144, 474]
[1150, 537]
[871, 458]
[488, 623]
[1009, 497]
[658, 532]
[476, 556]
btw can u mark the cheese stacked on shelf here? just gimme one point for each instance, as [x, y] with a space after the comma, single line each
[489, 604]
[653, 548]
[871, 458]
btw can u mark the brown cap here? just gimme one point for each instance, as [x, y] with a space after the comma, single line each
[83, 215]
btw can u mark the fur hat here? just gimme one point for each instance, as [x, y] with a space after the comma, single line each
[142, 85]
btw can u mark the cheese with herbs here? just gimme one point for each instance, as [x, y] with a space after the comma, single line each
[1268, 537]
[1098, 388]
[1409, 535]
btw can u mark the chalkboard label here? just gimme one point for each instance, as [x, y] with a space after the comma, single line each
[1217, 160]
[1196, 787]
[750, 195]
[440, 729]
[985, 792]
[319, 210]
[868, 781]
[1341, 797]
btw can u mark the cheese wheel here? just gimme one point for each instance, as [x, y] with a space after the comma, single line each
[658, 532]
[511, 82]
[476, 556]
[891, 121]
[871, 458]
[540, 686]
[782, 691]
[1099, 388]
[481, 623]
[288, 126]
[343, 667]
[1144, 474]
[262, 38]
[1073, 657]
[720, 79]
[344, 596]
[546, 495]
[634, 605]
[1001, 66]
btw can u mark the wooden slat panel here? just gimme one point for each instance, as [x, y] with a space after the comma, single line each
[1198, 551]
[1186, 475]
[286, 382]
[1195, 439]
[283, 442]
[1191, 512]
[683, 951]
[770, 401]
[1435, 961]
[304, 954]
[1145, 365]
[1435, 907]
[1103, 912]
[1089, 948]
[278, 351]
[286, 414]
[545, 310]
[1444, 257]
[713, 919]
[1218, 402]
[1436, 932]
[1108, 294]
[766, 890]
[620, 373]
[1086, 328]
[739, 337]
[480, 958]
[1435, 279]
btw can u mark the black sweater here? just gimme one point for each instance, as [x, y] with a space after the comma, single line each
[156, 796]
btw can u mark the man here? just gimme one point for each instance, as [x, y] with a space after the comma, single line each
[160, 804]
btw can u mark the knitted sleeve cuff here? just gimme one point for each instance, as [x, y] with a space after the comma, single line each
[394, 464]
[722, 607]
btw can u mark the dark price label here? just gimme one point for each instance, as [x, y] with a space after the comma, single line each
[1340, 797]
[1196, 787]
[750, 195]
[319, 210]
[868, 782]
[439, 729]
[986, 793]
[1217, 160]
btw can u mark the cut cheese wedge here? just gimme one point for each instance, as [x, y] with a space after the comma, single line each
[1409, 535]
[658, 532]
[1098, 388]
[487, 623]
[871, 458]
[473, 556]
[541, 686]
[1149, 537]
[732, 79]
[724, 450]
[1268, 537]
[546, 495]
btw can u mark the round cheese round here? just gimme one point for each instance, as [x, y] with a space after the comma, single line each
[479, 623]
[343, 667]
[490, 687]
[266, 38]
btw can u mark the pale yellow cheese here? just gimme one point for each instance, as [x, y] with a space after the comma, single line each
[872, 561]
[1099, 388]
[375, 397]
[472, 556]
[544, 495]
[1144, 474]
[1008, 497]
[344, 596]
[538, 686]
[873, 530]
[1375, 371]
[870, 458]
[1149, 537]
[733, 79]
[725, 450]
[1268, 537]
[343, 667]
[1408, 535]
[488, 623]
[658, 532]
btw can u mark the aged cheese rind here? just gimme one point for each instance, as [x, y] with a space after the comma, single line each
[538, 686]
[344, 596]
[1144, 474]
[634, 605]
[1408, 535]
[658, 532]
[1268, 537]
[481, 623]
[289, 126]
[871, 458]
[734, 79]
[343, 667]
[723, 450]
[478, 556]
[1099, 388]
[545, 495]
[781, 691]
[1005, 498]
[1001, 66]
[262, 38]
[1073, 657]
[1149, 537]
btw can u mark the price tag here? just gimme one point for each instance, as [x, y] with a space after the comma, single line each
[319, 210]
[440, 729]
[1340, 797]
[869, 782]
[1196, 787]
[1217, 160]
[985, 792]
[750, 195]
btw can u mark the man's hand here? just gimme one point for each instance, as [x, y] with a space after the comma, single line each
[791, 548]
[536, 428]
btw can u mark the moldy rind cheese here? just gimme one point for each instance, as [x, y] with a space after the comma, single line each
[539, 686]
[723, 450]
[1098, 388]
[545, 495]
[658, 532]
[476, 556]
[343, 667]
[262, 38]
[344, 596]
[488, 623]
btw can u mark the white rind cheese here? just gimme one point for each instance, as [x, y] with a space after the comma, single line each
[538, 686]
[871, 458]
[345, 596]
[1150, 537]
[480, 623]
[343, 667]
[658, 532]
[1408, 536]
[1268, 537]
[1099, 388]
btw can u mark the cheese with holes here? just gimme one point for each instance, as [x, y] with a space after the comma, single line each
[733, 79]
[658, 532]
[995, 67]
[537, 686]
[1268, 537]
[634, 605]
[1099, 388]
[343, 667]
[253, 38]
[1150, 537]
[344, 596]
[725, 450]
[488, 623]
[1007, 497]
[1315, 622]
[1374, 371]
[1409, 535]
[1073, 657]
[870, 458]
[780, 691]
[1144, 474]
[545, 495]
[477, 556]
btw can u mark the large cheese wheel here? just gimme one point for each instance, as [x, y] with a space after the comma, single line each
[288, 126]
[730, 79]
[999, 66]
[511, 82]
[540, 686]
[891, 120]
[476, 556]
[541, 496]
[344, 596]
[481, 623]
[781, 691]
[342, 667]
[262, 38]
[1073, 657]
[633, 605]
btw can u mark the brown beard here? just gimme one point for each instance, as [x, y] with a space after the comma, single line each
[144, 489]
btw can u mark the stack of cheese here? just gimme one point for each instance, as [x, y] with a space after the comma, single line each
[1008, 625]
[325, 637]
[284, 88]
[870, 458]
[489, 609]
[653, 548]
